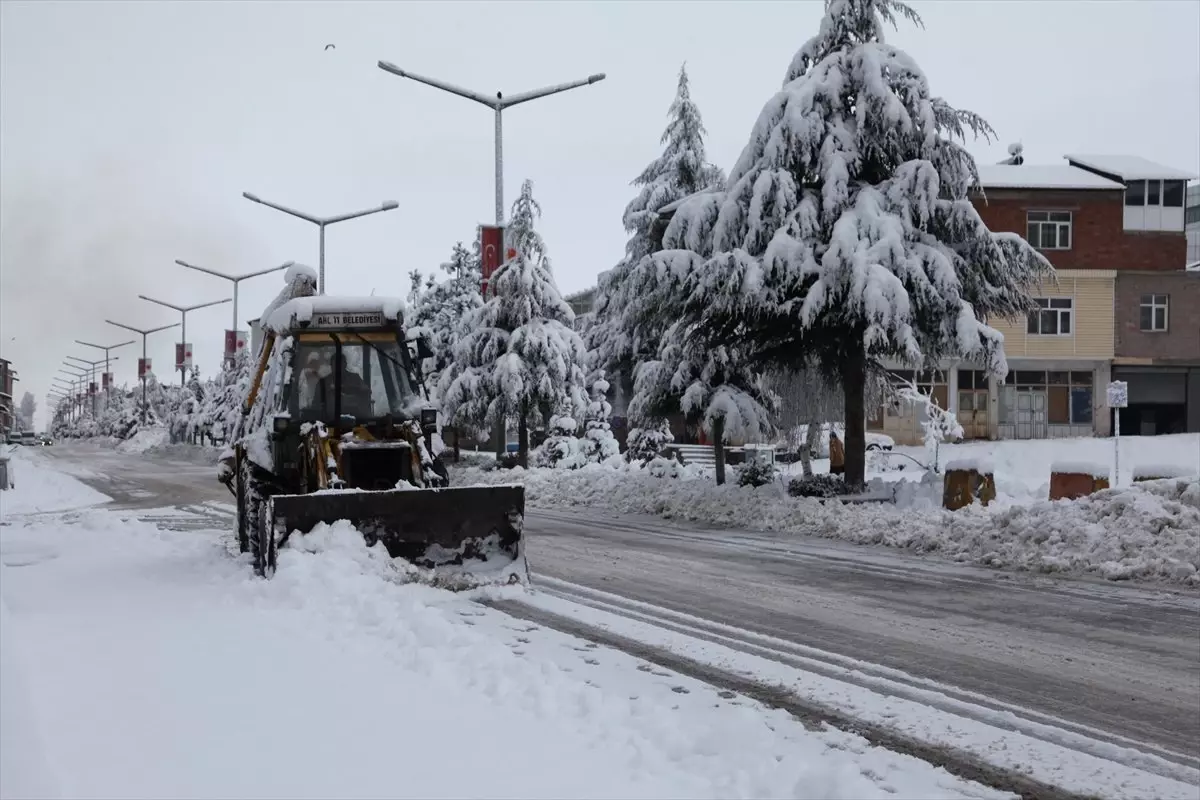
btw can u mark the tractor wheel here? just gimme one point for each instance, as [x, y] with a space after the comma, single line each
[262, 543]
[256, 533]
[247, 506]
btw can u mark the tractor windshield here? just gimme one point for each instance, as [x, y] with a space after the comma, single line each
[366, 378]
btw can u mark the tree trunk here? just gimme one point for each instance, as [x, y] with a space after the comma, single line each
[718, 434]
[499, 435]
[854, 384]
[812, 438]
[457, 453]
[523, 436]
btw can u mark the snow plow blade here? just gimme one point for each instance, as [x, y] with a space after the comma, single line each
[470, 531]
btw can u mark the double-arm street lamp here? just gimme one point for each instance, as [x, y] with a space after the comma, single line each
[321, 223]
[183, 311]
[78, 377]
[497, 104]
[106, 350]
[143, 365]
[235, 279]
[91, 365]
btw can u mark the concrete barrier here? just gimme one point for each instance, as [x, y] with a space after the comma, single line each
[966, 481]
[1072, 480]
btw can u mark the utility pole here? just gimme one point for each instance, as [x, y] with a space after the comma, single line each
[183, 311]
[321, 223]
[236, 279]
[497, 104]
[77, 377]
[143, 364]
[107, 371]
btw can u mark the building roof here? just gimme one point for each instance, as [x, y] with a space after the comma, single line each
[1130, 168]
[1036, 176]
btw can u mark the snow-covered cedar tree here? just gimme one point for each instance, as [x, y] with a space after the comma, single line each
[599, 444]
[845, 235]
[439, 311]
[522, 234]
[520, 354]
[712, 387]
[26, 411]
[223, 401]
[562, 448]
[619, 343]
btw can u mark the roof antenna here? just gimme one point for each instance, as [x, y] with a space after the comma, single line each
[1016, 154]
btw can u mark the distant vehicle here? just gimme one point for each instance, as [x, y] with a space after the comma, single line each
[29, 438]
[875, 441]
[45, 439]
[14, 437]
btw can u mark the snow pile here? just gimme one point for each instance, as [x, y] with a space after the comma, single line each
[1151, 470]
[335, 654]
[146, 439]
[1130, 533]
[40, 489]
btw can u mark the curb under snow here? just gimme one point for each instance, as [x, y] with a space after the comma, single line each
[1148, 532]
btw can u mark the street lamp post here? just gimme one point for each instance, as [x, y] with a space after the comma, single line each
[236, 279]
[497, 104]
[68, 388]
[321, 222]
[144, 334]
[183, 311]
[91, 375]
[106, 360]
[77, 377]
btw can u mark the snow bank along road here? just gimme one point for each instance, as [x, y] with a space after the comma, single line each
[1118, 664]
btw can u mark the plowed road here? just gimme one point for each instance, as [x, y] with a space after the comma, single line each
[1118, 658]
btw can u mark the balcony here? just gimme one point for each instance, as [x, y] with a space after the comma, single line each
[1154, 193]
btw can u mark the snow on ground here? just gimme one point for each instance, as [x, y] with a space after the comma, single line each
[152, 664]
[38, 488]
[1137, 532]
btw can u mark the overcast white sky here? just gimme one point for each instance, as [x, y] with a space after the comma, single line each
[129, 130]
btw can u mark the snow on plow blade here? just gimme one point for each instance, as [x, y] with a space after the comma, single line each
[475, 528]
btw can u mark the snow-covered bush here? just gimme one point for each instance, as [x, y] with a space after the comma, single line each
[757, 473]
[562, 448]
[662, 467]
[599, 446]
[822, 485]
[642, 445]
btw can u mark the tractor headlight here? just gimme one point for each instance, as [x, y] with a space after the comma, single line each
[429, 419]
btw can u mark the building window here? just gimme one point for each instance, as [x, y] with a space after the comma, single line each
[972, 390]
[1053, 317]
[1153, 192]
[1154, 312]
[1173, 194]
[1135, 193]
[1049, 230]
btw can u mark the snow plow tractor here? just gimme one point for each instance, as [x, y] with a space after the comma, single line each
[336, 426]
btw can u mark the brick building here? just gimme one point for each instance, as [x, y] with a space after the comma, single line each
[1122, 307]
[7, 378]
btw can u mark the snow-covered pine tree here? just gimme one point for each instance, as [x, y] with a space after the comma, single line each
[27, 409]
[521, 233]
[712, 387]
[519, 353]
[845, 235]
[599, 444]
[618, 342]
[439, 312]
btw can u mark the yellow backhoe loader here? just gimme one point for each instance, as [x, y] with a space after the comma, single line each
[336, 425]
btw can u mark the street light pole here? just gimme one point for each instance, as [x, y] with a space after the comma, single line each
[321, 222]
[144, 334]
[497, 104]
[183, 311]
[106, 350]
[92, 375]
[236, 279]
[76, 378]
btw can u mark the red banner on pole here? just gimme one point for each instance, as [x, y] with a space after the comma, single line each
[234, 342]
[106, 380]
[143, 367]
[92, 388]
[491, 252]
[183, 356]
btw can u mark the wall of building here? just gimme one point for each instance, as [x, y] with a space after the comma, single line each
[1092, 294]
[1098, 236]
[1181, 340]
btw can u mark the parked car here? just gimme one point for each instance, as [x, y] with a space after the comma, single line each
[14, 437]
[30, 439]
[875, 441]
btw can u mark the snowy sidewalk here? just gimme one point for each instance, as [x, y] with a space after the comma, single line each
[151, 664]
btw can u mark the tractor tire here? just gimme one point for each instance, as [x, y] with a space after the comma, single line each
[256, 534]
[262, 545]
